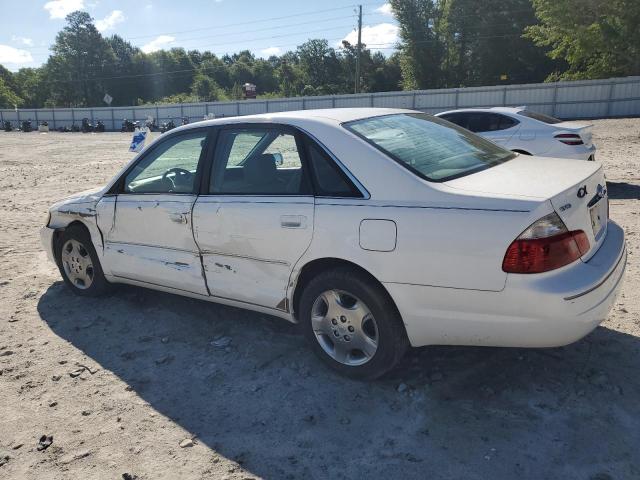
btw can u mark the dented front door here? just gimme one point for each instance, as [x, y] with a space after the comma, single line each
[151, 237]
[152, 241]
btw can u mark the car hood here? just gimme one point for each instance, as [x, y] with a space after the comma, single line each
[527, 177]
[87, 198]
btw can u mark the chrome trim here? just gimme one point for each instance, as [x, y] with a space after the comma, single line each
[161, 247]
[595, 287]
[246, 257]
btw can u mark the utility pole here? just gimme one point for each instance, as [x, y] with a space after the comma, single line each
[357, 87]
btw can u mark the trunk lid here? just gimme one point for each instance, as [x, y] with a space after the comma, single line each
[577, 190]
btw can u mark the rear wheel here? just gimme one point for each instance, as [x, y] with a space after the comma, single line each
[79, 264]
[352, 324]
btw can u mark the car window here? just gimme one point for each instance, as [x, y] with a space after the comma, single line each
[330, 180]
[257, 162]
[505, 122]
[459, 118]
[169, 168]
[539, 116]
[244, 143]
[429, 146]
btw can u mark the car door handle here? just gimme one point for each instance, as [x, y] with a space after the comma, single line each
[293, 221]
[179, 217]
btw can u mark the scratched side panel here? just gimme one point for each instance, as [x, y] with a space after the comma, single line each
[175, 269]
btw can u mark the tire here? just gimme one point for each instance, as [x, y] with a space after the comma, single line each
[342, 309]
[79, 264]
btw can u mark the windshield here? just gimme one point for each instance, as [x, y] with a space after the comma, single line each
[541, 117]
[430, 147]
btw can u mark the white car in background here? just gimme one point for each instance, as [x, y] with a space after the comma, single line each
[376, 229]
[526, 132]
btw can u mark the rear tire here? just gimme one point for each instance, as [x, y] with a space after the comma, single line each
[78, 263]
[352, 324]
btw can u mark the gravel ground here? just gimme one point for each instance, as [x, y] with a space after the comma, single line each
[131, 384]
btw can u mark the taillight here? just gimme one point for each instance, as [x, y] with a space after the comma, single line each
[545, 245]
[569, 138]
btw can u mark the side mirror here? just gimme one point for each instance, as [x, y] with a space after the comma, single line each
[278, 158]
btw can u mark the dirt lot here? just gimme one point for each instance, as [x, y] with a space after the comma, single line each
[120, 382]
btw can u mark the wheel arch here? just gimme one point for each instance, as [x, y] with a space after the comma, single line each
[317, 265]
[58, 231]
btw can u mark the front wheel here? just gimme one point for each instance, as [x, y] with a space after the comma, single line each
[352, 323]
[79, 264]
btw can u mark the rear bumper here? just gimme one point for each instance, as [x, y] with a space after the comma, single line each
[543, 310]
[575, 152]
[46, 238]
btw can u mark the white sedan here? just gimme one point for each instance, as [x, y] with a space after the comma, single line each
[527, 132]
[375, 229]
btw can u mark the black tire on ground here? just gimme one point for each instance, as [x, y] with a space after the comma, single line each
[391, 335]
[99, 284]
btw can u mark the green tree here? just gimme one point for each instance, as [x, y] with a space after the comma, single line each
[206, 89]
[80, 61]
[596, 38]
[319, 65]
[8, 98]
[484, 45]
[421, 48]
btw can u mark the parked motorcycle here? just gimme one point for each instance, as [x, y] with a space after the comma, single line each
[75, 128]
[166, 126]
[185, 120]
[127, 126]
[151, 124]
[87, 126]
[7, 126]
[99, 126]
[26, 126]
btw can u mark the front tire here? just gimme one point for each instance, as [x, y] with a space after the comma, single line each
[79, 264]
[352, 324]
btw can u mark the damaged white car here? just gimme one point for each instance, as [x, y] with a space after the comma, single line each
[376, 229]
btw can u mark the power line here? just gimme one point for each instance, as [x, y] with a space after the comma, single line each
[251, 22]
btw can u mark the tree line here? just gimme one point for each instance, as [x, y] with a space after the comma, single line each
[443, 43]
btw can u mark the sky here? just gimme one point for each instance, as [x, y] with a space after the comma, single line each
[28, 28]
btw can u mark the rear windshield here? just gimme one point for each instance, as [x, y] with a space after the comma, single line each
[541, 117]
[432, 148]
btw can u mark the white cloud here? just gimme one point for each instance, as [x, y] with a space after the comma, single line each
[148, 6]
[23, 40]
[110, 21]
[375, 37]
[15, 56]
[385, 9]
[158, 43]
[62, 8]
[271, 51]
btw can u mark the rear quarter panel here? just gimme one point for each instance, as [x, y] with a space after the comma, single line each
[436, 246]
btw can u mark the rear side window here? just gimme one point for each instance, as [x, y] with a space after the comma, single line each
[428, 146]
[488, 122]
[256, 161]
[541, 117]
[479, 122]
[329, 180]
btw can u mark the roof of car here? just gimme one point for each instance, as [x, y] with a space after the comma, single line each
[327, 115]
[511, 110]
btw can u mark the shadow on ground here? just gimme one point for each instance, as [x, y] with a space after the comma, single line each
[623, 191]
[267, 403]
